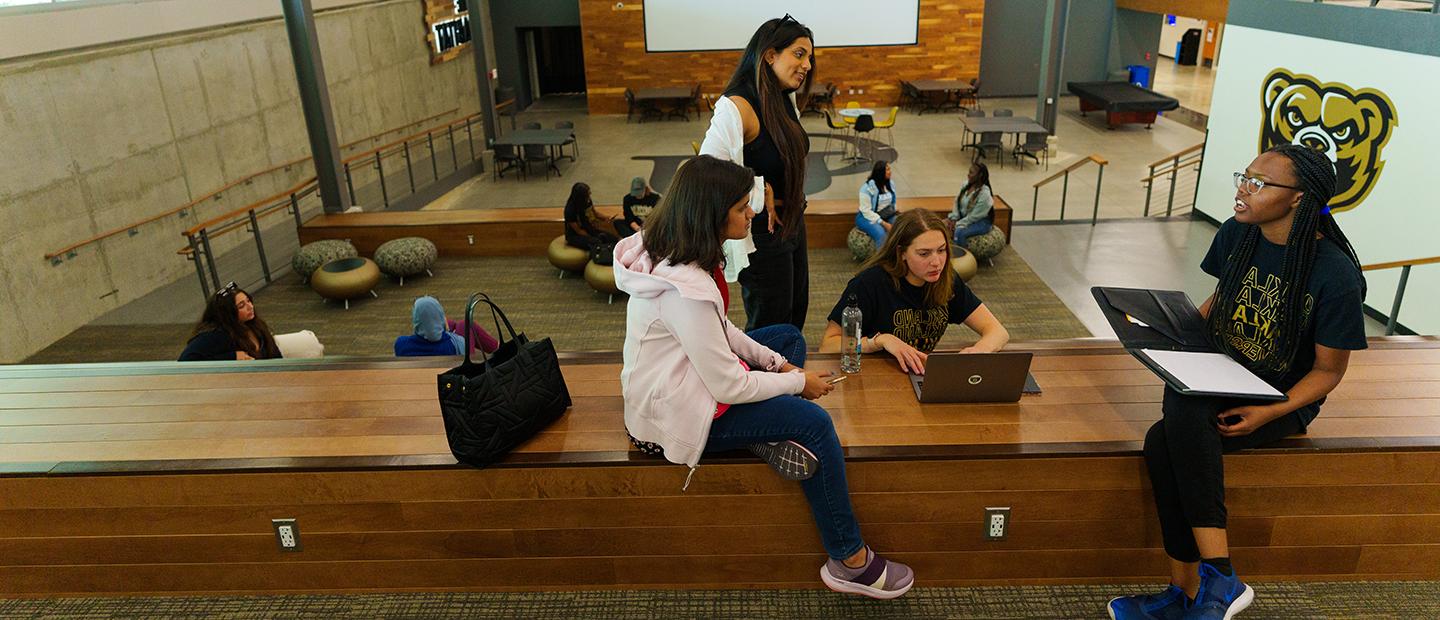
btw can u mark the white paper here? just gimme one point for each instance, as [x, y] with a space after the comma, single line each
[1210, 372]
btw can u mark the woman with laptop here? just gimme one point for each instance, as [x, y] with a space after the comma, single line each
[908, 296]
[1287, 307]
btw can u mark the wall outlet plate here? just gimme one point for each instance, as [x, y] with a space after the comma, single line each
[287, 534]
[997, 523]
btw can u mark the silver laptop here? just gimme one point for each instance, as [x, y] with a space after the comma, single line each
[972, 377]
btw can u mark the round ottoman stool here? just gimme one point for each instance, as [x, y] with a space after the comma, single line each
[345, 279]
[601, 278]
[862, 247]
[988, 245]
[963, 263]
[316, 253]
[566, 257]
[406, 256]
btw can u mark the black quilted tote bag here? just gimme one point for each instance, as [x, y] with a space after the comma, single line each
[498, 404]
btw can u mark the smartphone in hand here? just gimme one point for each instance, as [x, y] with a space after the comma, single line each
[837, 379]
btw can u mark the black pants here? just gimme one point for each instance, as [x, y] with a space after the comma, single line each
[588, 242]
[1183, 454]
[776, 285]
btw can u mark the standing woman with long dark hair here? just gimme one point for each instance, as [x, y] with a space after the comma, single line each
[756, 125]
[1288, 307]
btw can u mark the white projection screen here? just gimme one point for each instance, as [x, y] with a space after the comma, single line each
[706, 25]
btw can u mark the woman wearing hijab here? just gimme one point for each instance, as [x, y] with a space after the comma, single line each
[431, 334]
[638, 204]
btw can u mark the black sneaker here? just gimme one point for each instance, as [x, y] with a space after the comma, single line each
[788, 458]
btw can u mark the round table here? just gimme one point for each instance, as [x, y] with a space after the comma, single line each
[850, 114]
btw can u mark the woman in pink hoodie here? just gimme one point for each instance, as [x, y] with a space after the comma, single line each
[694, 383]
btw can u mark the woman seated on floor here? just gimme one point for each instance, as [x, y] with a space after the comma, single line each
[908, 295]
[637, 204]
[877, 204]
[583, 227]
[434, 335]
[694, 383]
[230, 329]
[974, 211]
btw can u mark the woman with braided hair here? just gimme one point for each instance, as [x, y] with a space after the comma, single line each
[1288, 307]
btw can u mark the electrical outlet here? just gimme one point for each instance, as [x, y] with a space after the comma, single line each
[997, 522]
[861, 91]
[287, 534]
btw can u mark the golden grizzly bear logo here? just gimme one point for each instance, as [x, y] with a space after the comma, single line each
[1348, 125]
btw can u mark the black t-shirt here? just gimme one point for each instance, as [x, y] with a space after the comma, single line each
[214, 345]
[637, 209]
[582, 214]
[1332, 316]
[903, 313]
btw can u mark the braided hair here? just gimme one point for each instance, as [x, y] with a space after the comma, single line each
[1316, 177]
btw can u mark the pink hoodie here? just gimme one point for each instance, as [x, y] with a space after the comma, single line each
[681, 354]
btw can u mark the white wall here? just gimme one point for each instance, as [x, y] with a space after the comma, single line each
[1399, 218]
[1170, 35]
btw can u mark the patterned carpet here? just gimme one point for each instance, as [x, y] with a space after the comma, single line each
[539, 304]
[1307, 601]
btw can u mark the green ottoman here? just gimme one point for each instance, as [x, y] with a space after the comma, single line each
[988, 245]
[862, 247]
[316, 253]
[406, 256]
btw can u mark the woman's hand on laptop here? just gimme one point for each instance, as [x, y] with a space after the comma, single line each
[911, 359]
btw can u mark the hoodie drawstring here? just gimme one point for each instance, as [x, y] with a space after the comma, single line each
[688, 476]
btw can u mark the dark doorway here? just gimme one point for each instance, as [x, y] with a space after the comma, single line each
[554, 60]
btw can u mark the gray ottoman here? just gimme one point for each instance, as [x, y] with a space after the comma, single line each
[988, 245]
[316, 253]
[406, 256]
[862, 247]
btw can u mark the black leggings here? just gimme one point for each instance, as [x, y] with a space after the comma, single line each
[776, 285]
[1183, 454]
[588, 242]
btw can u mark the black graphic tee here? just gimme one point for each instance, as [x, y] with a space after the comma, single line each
[903, 313]
[1331, 316]
[637, 209]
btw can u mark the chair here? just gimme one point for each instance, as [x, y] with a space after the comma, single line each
[888, 124]
[834, 125]
[864, 124]
[990, 140]
[852, 104]
[406, 256]
[532, 126]
[575, 146]
[630, 104]
[909, 97]
[818, 101]
[965, 135]
[695, 101]
[696, 146]
[971, 97]
[1035, 147]
[505, 158]
[531, 153]
[1002, 112]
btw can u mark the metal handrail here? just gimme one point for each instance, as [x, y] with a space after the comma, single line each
[1065, 187]
[57, 256]
[380, 153]
[1174, 161]
[1404, 266]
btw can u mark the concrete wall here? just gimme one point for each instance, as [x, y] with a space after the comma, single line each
[97, 139]
[507, 17]
[1133, 38]
[1010, 62]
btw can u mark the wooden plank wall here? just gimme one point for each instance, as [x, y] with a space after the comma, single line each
[1314, 516]
[615, 57]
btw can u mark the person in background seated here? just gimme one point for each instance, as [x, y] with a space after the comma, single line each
[1287, 306]
[583, 227]
[230, 329]
[974, 212]
[478, 336]
[908, 295]
[433, 335]
[638, 204]
[877, 204]
[694, 383]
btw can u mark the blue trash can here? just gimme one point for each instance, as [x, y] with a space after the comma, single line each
[1139, 75]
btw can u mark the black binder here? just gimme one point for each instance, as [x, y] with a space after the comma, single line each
[1172, 323]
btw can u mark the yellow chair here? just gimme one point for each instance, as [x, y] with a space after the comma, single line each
[887, 124]
[835, 126]
[695, 145]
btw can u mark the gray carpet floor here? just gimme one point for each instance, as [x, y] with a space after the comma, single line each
[542, 305]
[1273, 600]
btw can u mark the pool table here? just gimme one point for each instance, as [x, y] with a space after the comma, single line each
[1122, 102]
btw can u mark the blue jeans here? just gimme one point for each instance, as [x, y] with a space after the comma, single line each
[874, 229]
[976, 228]
[792, 417]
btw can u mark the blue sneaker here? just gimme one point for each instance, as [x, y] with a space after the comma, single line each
[1167, 605]
[1220, 597]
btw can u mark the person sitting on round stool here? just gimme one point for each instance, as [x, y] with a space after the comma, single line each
[877, 204]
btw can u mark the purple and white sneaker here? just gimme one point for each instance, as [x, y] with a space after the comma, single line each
[878, 578]
[788, 458]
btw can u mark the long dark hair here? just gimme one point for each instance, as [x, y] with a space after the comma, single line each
[877, 174]
[688, 226]
[776, 112]
[221, 313]
[579, 196]
[981, 179]
[891, 255]
[1316, 177]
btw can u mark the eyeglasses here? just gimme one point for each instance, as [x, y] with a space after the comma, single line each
[227, 290]
[1251, 185]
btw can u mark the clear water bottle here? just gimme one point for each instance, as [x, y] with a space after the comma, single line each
[850, 337]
